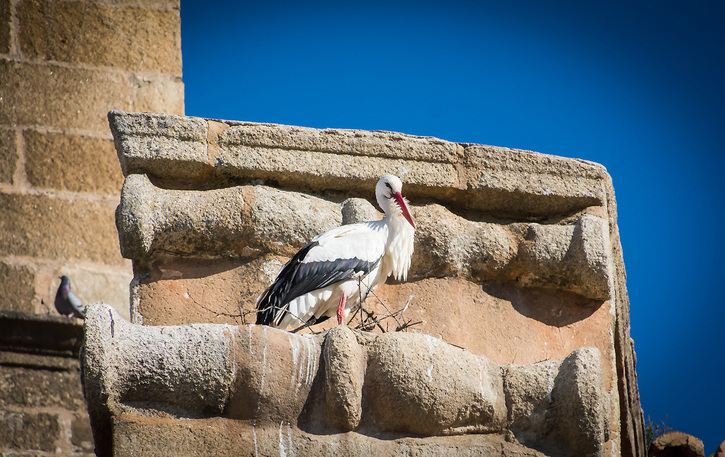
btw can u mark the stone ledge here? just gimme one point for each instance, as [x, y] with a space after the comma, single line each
[162, 437]
[40, 334]
[415, 385]
[248, 221]
[207, 153]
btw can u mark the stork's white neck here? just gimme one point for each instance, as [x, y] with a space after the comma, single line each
[399, 247]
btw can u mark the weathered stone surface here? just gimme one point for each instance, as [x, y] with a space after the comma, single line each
[340, 142]
[450, 245]
[8, 154]
[18, 289]
[39, 388]
[161, 93]
[172, 437]
[81, 433]
[413, 383]
[72, 162]
[52, 227]
[505, 323]
[514, 179]
[525, 243]
[87, 32]
[5, 19]
[676, 444]
[165, 145]
[276, 371]
[557, 406]
[239, 220]
[418, 384]
[356, 210]
[188, 368]
[182, 291]
[247, 219]
[577, 403]
[522, 183]
[313, 169]
[32, 431]
[569, 257]
[44, 341]
[344, 376]
[32, 90]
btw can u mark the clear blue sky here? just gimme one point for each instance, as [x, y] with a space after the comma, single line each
[636, 86]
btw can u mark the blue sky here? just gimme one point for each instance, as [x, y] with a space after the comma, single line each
[636, 86]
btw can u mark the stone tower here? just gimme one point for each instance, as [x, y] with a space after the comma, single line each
[63, 66]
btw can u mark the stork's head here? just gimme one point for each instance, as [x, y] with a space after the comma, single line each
[390, 199]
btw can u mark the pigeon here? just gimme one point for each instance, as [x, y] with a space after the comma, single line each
[66, 302]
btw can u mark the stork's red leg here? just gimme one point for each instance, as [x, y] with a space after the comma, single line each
[341, 310]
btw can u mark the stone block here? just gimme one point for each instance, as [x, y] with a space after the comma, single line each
[8, 155]
[676, 444]
[39, 388]
[503, 179]
[169, 437]
[181, 291]
[81, 433]
[18, 291]
[72, 162]
[391, 145]
[156, 94]
[243, 220]
[159, 4]
[160, 145]
[51, 227]
[344, 376]
[195, 378]
[333, 158]
[217, 222]
[573, 257]
[29, 431]
[5, 20]
[88, 33]
[401, 382]
[409, 375]
[79, 98]
[559, 407]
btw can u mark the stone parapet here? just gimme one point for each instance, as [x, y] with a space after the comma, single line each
[404, 383]
[517, 259]
[502, 181]
[42, 409]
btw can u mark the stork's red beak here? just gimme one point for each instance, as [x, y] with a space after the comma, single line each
[403, 208]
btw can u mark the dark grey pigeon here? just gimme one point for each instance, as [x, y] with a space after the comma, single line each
[66, 302]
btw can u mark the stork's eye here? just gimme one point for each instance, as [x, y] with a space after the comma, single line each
[389, 186]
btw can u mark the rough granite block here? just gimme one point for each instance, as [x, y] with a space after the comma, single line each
[88, 32]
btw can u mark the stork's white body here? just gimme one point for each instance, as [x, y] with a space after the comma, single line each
[361, 256]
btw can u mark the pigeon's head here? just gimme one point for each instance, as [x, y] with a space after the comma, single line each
[64, 281]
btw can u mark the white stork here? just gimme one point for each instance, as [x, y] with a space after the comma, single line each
[337, 270]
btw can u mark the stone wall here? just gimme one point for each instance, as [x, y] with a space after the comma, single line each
[42, 409]
[517, 260]
[63, 65]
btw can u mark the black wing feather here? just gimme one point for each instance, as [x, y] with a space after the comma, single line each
[298, 278]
